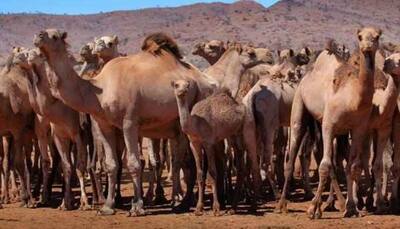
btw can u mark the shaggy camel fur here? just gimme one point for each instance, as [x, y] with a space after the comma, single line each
[112, 100]
[344, 105]
[209, 122]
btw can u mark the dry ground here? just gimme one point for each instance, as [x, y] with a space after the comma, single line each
[12, 216]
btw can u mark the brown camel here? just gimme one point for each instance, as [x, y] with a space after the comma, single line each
[392, 67]
[340, 97]
[210, 50]
[16, 120]
[112, 99]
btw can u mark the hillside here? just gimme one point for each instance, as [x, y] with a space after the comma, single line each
[288, 23]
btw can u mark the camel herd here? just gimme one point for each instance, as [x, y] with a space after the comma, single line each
[243, 121]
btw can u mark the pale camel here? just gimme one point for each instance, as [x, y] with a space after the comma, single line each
[16, 120]
[65, 128]
[210, 50]
[342, 103]
[112, 99]
[106, 48]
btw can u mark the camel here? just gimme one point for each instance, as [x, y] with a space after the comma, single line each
[16, 120]
[338, 112]
[209, 122]
[210, 50]
[392, 67]
[65, 128]
[106, 48]
[112, 100]
[91, 65]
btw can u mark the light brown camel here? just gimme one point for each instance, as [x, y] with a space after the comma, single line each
[91, 65]
[392, 67]
[106, 48]
[209, 122]
[112, 99]
[65, 127]
[210, 50]
[340, 96]
[16, 120]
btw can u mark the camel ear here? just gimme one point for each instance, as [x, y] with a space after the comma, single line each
[291, 53]
[95, 39]
[358, 31]
[308, 51]
[278, 52]
[64, 35]
[379, 32]
[115, 39]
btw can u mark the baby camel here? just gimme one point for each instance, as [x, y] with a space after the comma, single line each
[209, 122]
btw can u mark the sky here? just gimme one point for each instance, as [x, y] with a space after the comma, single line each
[94, 6]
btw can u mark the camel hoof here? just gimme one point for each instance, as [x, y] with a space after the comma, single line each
[104, 211]
[136, 212]
[281, 207]
[314, 212]
[198, 212]
[231, 212]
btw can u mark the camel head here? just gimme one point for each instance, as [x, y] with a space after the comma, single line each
[105, 46]
[304, 56]
[35, 57]
[285, 54]
[392, 65]
[181, 88]
[250, 56]
[368, 40]
[339, 50]
[21, 57]
[51, 40]
[86, 52]
[210, 49]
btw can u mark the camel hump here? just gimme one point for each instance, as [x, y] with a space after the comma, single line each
[157, 41]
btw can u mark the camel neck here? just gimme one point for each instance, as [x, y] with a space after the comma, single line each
[366, 74]
[77, 93]
[230, 70]
[184, 115]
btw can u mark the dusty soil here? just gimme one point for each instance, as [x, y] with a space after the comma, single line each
[13, 216]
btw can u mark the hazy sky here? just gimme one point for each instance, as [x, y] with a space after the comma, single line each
[94, 6]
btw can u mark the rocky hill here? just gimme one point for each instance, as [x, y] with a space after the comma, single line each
[288, 23]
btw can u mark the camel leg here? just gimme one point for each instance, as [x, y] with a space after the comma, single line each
[22, 171]
[6, 167]
[198, 157]
[394, 198]
[212, 174]
[160, 160]
[131, 138]
[353, 170]
[240, 173]
[325, 168]
[81, 166]
[298, 123]
[382, 138]
[95, 165]
[63, 148]
[154, 149]
[107, 136]
[305, 160]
